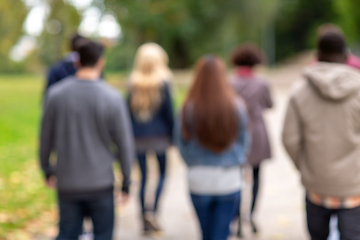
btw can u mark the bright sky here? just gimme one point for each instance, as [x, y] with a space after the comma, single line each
[93, 24]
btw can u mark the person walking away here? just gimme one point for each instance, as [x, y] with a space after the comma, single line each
[67, 66]
[321, 135]
[213, 139]
[352, 61]
[150, 104]
[256, 94]
[84, 119]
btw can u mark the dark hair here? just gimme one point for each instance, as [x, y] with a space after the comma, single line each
[247, 55]
[332, 43]
[90, 54]
[214, 121]
[77, 41]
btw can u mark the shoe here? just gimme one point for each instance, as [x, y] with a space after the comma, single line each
[149, 223]
[253, 226]
[239, 232]
[156, 224]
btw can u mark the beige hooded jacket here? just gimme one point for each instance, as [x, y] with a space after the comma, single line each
[322, 129]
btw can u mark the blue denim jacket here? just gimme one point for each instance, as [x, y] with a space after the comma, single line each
[196, 155]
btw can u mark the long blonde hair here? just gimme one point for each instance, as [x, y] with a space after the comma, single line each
[148, 76]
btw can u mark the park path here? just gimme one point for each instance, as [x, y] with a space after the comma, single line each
[280, 212]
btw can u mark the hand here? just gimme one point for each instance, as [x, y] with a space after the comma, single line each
[51, 182]
[121, 199]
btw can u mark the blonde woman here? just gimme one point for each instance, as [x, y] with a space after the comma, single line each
[150, 104]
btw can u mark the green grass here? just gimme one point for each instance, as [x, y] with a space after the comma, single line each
[22, 192]
[26, 205]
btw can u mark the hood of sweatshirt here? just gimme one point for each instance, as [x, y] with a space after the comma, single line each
[333, 81]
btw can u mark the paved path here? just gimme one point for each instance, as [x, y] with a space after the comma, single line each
[280, 211]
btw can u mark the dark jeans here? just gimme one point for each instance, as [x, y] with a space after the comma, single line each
[318, 219]
[101, 211]
[161, 157]
[215, 214]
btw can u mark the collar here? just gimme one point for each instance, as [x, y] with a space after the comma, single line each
[244, 71]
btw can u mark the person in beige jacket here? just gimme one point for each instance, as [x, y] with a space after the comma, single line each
[322, 136]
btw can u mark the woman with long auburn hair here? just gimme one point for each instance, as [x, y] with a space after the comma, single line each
[150, 105]
[213, 139]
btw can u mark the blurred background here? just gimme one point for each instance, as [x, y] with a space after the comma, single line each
[35, 34]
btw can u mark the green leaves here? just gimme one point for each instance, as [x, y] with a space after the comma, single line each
[12, 16]
[61, 23]
[188, 29]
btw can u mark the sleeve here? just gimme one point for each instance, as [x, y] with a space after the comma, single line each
[168, 109]
[122, 136]
[267, 99]
[244, 131]
[47, 138]
[292, 136]
[51, 78]
[180, 142]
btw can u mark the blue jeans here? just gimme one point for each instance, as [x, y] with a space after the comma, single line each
[161, 157]
[318, 219]
[215, 214]
[101, 211]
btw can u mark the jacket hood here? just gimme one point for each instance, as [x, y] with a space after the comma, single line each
[333, 81]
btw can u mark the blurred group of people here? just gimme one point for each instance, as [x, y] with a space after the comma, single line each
[219, 129]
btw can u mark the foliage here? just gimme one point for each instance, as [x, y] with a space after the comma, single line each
[296, 26]
[12, 17]
[349, 18]
[188, 29]
[61, 23]
[299, 19]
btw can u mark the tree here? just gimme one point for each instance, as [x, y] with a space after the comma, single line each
[12, 17]
[349, 18]
[188, 29]
[61, 23]
[298, 21]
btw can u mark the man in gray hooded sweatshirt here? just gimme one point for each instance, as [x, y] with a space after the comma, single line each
[322, 136]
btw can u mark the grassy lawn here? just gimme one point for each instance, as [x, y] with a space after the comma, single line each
[27, 207]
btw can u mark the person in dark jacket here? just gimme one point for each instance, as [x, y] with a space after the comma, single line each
[150, 104]
[257, 95]
[67, 66]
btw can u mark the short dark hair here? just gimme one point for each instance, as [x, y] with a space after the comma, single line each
[247, 55]
[332, 43]
[90, 53]
[76, 41]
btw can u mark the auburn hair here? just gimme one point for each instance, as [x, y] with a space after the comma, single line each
[214, 120]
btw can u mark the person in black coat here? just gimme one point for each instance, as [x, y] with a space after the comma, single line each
[67, 66]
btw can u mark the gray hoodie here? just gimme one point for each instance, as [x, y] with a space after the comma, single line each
[322, 129]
